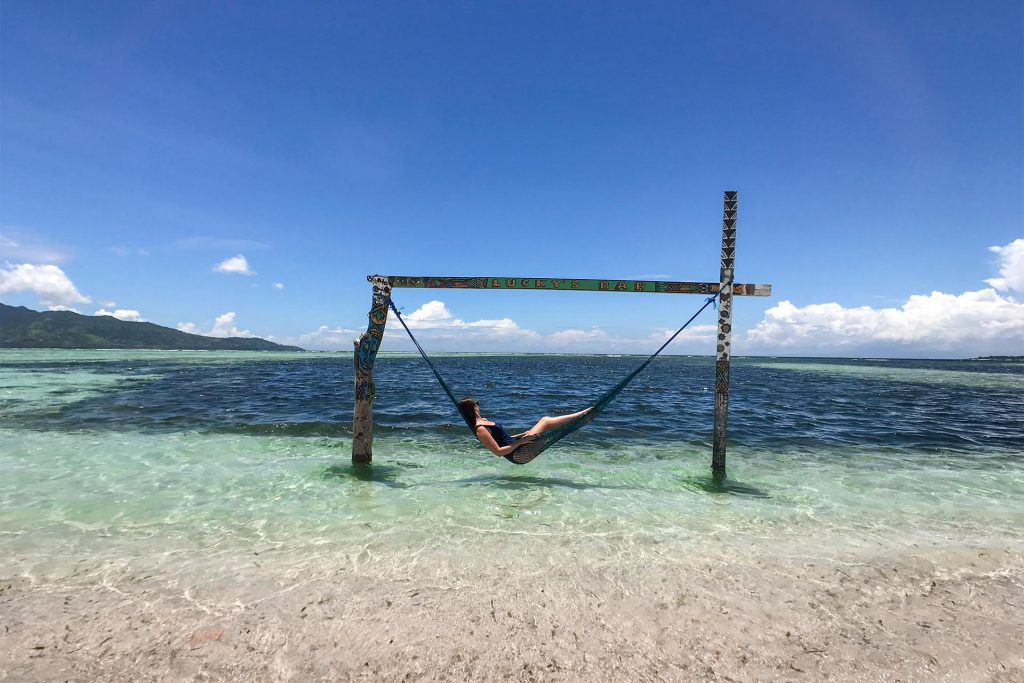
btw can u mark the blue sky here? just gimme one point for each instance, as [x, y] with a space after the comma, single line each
[877, 148]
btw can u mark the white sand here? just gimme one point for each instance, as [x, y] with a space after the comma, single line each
[936, 615]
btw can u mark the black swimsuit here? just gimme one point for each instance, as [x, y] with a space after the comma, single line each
[502, 438]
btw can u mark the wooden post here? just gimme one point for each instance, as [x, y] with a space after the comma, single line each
[724, 334]
[365, 353]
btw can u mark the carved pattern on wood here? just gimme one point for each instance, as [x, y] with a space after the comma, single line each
[723, 346]
[573, 285]
[370, 341]
[722, 376]
[724, 342]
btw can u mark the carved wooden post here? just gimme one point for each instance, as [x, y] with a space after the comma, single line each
[365, 354]
[725, 279]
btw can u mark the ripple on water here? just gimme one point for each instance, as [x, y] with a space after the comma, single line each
[162, 461]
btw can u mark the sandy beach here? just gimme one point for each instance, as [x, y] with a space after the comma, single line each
[932, 615]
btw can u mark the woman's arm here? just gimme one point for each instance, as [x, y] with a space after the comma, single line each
[484, 435]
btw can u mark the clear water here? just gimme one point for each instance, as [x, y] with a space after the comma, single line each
[119, 463]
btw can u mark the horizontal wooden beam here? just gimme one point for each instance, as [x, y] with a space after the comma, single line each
[571, 285]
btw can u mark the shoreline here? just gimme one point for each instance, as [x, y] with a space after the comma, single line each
[926, 615]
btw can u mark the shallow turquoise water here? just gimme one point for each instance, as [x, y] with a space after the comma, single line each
[124, 462]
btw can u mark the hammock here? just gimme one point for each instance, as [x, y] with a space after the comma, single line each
[550, 437]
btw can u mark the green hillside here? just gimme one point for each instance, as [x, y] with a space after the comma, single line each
[24, 328]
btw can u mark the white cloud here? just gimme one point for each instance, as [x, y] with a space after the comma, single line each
[1011, 267]
[572, 337]
[430, 314]
[49, 282]
[223, 326]
[435, 316]
[122, 314]
[235, 264]
[278, 285]
[983, 322]
[969, 323]
[433, 322]
[324, 338]
[439, 328]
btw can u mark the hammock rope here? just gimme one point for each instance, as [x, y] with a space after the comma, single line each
[546, 439]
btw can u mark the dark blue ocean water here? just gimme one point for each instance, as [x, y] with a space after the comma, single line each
[920, 406]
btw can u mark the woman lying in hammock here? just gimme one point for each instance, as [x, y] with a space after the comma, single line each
[496, 439]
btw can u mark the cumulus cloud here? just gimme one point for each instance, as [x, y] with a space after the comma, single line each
[435, 316]
[971, 323]
[236, 264]
[223, 326]
[442, 330]
[324, 338]
[430, 314]
[573, 337]
[1011, 267]
[53, 287]
[122, 314]
[438, 327]
[278, 285]
[694, 333]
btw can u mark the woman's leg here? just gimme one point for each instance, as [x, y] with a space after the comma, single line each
[546, 423]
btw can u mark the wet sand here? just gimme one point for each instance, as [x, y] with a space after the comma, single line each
[941, 614]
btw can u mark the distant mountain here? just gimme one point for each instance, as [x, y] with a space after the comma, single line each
[23, 328]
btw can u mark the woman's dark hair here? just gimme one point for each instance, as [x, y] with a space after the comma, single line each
[467, 406]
